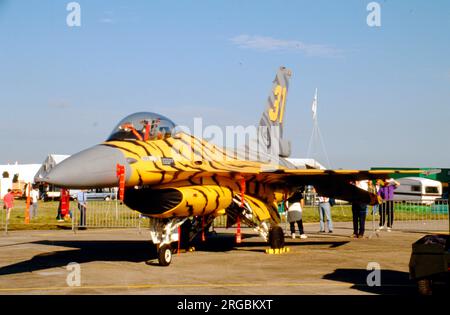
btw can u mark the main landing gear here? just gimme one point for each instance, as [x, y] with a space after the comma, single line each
[276, 237]
[274, 234]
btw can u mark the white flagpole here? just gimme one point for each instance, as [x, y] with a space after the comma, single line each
[314, 117]
[314, 105]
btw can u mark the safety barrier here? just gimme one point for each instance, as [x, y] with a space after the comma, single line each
[408, 216]
[107, 214]
[220, 222]
[4, 221]
[419, 216]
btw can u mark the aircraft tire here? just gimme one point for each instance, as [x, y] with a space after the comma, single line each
[424, 286]
[276, 237]
[165, 255]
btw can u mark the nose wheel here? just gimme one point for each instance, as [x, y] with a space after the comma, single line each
[165, 255]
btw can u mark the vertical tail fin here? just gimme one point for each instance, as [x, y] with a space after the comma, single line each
[272, 119]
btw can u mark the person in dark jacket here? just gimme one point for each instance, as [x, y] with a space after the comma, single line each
[359, 212]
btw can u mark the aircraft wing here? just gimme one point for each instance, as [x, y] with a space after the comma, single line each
[329, 183]
[332, 183]
[302, 175]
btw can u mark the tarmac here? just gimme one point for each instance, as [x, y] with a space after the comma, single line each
[123, 261]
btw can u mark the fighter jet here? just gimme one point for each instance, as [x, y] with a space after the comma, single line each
[170, 175]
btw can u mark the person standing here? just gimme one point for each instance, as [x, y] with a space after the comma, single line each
[359, 212]
[82, 206]
[34, 195]
[374, 190]
[295, 205]
[8, 204]
[63, 206]
[386, 192]
[325, 211]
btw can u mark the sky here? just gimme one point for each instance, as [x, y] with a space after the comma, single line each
[384, 91]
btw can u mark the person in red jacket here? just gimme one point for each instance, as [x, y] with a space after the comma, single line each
[8, 203]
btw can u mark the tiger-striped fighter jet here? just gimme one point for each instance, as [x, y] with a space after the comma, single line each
[169, 175]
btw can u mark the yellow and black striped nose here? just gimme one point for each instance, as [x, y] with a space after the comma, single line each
[95, 167]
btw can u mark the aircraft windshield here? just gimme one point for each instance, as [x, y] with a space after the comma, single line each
[142, 126]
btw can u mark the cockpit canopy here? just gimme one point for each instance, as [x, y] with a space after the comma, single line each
[142, 126]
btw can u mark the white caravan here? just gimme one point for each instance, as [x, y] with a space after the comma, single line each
[418, 189]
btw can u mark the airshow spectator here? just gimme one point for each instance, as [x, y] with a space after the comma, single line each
[34, 195]
[386, 192]
[374, 190]
[295, 205]
[325, 211]
[63, 206]
[8, 204]
[359, 212]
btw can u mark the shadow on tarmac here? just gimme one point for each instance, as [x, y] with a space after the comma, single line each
[392, 282]
[134, 251]
[227, 242]
[84, 251]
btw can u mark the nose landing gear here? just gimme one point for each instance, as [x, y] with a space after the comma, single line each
[163, 233]
[165, 255]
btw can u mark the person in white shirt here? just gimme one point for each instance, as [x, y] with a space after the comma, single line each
[325, 211]
[34, 195]
[294, 213]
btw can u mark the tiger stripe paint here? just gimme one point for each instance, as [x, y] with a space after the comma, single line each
[215, 173]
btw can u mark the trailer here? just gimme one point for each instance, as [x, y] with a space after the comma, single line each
[418, 189]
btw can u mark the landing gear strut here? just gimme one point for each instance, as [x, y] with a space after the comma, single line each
[273, 235]
[163, 233]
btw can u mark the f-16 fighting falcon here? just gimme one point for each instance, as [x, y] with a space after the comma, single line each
[170, 175]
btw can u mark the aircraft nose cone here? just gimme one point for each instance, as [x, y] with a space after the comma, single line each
[91, 168]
